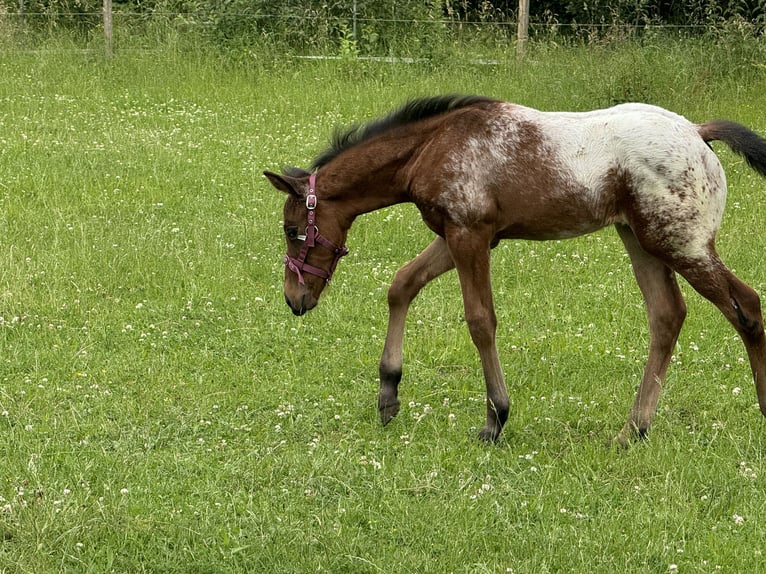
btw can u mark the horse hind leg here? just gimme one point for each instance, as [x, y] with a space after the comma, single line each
[740, 304]
[407, 283]
[666, 311]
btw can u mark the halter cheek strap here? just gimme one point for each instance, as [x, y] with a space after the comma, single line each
[298, 265]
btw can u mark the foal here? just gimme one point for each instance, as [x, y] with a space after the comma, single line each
[481, 170]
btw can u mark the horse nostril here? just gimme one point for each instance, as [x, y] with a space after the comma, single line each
[297, 310]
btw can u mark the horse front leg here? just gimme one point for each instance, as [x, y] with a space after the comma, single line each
[407, 283]
[471, 254]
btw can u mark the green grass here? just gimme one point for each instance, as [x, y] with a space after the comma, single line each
[162, 410]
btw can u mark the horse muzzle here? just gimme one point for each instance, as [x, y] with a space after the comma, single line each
[301, 305]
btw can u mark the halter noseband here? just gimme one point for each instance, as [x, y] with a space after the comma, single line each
[311, 239]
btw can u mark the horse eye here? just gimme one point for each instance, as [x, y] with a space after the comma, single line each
[291, 233]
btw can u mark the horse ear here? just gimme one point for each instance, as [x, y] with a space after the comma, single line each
[285, 183]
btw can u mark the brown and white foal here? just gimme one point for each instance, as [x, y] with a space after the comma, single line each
[481, 170]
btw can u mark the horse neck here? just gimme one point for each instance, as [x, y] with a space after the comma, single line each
[366, 180]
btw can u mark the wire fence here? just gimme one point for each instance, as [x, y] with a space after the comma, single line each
[208, 17]
[317, 33]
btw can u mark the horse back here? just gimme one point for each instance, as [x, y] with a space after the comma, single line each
[547, 175]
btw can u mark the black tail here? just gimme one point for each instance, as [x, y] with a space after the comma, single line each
[740, 139]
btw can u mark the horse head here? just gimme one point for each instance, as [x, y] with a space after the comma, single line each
[311, 256]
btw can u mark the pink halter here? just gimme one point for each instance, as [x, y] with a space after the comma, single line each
[311, 239]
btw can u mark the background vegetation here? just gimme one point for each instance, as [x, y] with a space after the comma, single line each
[404, 27]
[162, 411]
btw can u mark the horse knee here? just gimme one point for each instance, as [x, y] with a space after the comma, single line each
[399, 292]
[482, 329]
[407, 283]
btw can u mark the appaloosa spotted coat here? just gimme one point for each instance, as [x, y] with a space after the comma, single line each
[481, 170]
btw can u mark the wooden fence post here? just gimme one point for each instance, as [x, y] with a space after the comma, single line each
[523, 28]
[108, 27]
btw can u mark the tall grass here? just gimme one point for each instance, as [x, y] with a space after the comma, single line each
[162, 411]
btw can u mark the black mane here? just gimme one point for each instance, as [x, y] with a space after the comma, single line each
[412, 111]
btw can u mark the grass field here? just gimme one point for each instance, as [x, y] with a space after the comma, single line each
[163, 411]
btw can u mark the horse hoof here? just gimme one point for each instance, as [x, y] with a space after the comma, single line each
[388, 412]
[619, 442]
[628, 438]
[489, 435]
